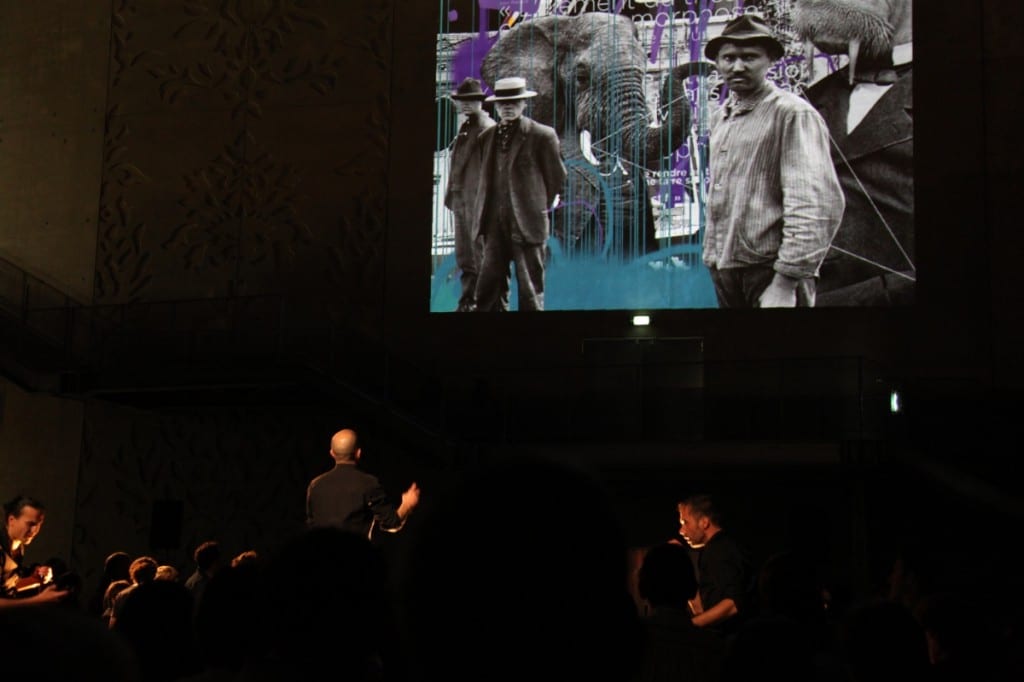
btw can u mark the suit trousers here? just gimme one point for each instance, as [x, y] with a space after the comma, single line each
[492, 283]
[468, 254]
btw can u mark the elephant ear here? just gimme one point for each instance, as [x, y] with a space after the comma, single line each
[529, 50]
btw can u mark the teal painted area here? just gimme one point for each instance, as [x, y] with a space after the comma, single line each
[670, 279]
[445, 287]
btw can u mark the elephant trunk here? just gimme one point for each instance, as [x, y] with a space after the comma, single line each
[674, 108]
[615, 112]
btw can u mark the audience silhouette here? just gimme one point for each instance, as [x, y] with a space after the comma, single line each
[517, 568]
[961, 647]
[110, 596]
[115, 567]
[882, 642]
[228, 621]
[142, 570]
[790, 635]
[326, 605]
[519, 571]
[208, 557]
[54, 644]
[673, 648]
[156, 622]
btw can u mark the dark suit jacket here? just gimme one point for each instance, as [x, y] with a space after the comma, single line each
[875, 166]
[349, 498]
[536, 176]
[464, 171]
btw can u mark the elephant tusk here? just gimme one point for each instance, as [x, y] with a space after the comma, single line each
[854, 51]
[585, 148]
[809, 58]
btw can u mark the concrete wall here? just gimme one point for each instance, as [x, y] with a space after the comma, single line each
[53, 88]
[40, 442]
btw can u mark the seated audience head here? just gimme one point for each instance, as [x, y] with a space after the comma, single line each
[110, 594]
[166, 572]
[143, 569]
[207, 555]
[116, 565]
[667, 577]
[249, 556]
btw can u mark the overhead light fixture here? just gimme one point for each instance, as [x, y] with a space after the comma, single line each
[641, 320]
[895, 402]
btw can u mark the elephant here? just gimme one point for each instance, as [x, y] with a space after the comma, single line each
[871, 259]
[589, 74]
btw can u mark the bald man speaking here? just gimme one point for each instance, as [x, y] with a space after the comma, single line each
[352, 499]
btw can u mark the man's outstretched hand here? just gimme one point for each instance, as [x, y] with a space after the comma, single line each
[410, 498]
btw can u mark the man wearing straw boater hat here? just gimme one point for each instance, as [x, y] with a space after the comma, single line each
[774, 202]
[521, 174]
[460, 194]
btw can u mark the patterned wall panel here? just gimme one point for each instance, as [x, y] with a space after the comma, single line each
[246, 151]
[239, 476]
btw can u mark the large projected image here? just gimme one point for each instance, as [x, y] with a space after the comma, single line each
[651, 155]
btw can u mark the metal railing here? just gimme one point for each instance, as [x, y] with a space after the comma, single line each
[639, 389]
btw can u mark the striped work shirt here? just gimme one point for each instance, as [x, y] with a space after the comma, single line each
[773, 195]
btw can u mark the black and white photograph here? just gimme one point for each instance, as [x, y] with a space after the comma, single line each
[650, 214]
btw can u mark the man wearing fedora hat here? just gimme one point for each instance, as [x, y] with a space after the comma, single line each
[774, 202]
[460, 194]
[521, 174]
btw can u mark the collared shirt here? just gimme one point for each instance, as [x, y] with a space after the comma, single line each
[773, 195]
[506, 131]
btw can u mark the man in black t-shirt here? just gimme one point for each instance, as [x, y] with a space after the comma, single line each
[721, 565]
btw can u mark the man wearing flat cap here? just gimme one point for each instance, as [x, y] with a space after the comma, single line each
[774, 203]
[521, 174]
[460, 194]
